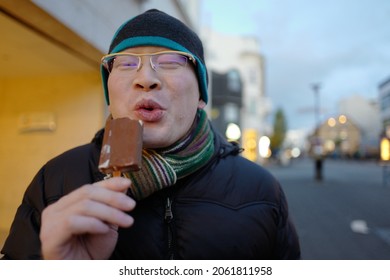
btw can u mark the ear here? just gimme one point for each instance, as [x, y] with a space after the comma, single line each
[201, 104]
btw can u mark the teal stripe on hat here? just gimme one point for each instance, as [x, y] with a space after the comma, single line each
[160, 42]
[148, 41]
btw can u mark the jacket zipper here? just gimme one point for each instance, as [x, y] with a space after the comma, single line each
[169, 221]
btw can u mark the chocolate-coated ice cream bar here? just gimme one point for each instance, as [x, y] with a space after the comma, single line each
[122, 146]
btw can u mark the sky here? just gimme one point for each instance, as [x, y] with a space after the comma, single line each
[343, 45]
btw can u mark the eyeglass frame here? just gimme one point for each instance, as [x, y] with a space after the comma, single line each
[104, 59]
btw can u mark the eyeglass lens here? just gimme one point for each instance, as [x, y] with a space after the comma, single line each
[166, 61]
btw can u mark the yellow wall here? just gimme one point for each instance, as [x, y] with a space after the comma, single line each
[77, 103]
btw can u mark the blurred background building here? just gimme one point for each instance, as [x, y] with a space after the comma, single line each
[354, 132]
[365, 113]
[384, 101]
[246, 107]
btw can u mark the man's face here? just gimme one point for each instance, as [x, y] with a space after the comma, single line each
[166, 103]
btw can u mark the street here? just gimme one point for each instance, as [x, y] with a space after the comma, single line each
[346, 216]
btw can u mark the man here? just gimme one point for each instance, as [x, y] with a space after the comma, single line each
[195, 196]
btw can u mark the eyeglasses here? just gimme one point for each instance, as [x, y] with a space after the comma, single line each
[164, 62]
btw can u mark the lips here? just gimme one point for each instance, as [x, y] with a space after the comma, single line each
[149, 111]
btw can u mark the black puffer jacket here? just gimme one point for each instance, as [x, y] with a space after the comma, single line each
[230, 209]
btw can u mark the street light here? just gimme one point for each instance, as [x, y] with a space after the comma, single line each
[317, 149]
[385, 158]
[385, 149]
[316, 89]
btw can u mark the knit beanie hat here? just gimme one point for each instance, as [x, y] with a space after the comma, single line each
[156, 28]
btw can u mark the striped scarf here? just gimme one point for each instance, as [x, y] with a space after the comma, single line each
[161, 168]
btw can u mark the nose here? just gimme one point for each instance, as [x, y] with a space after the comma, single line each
[146, 77]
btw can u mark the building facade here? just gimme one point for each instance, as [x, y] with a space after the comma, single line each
[241, 55]
[227, 103]
[384, 101]
[365, 113]
[340, 137]
[354, 132]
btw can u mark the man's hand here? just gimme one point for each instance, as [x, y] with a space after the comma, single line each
[84, 223]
